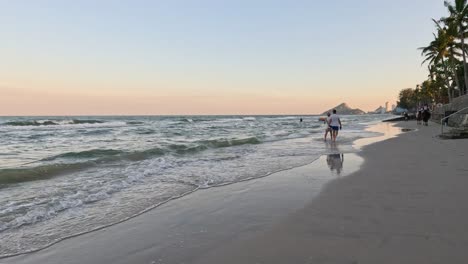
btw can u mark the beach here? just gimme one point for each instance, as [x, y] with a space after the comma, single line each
[64, 176]
[234, 132]
[400, 200]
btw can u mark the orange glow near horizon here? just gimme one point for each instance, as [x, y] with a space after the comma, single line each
[127, 102]
[209, 58]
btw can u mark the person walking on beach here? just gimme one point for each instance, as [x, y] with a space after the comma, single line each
[426, 115]
[328, 129]
[419, 116]
[335, 124]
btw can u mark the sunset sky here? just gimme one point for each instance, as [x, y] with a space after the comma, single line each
[104, 57]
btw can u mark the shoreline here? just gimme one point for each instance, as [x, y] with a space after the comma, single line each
[154, 207]
[185, 207]
[317, 165]
[334, 147]
[400, 207]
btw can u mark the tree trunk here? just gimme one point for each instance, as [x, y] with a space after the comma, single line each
[449, 92]
[455, 76]
[465, 73]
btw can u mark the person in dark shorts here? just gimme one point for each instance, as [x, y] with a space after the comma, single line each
[335, 124]
[426, 115]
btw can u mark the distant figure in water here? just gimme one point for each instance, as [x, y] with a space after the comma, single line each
[300, 120]
[335, 124]
[328, 129]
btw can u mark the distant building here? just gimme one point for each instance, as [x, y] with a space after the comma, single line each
[393, 107]
[387, 109]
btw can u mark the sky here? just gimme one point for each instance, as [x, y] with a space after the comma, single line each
[150, 57]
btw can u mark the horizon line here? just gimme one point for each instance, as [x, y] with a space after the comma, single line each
[132, 115]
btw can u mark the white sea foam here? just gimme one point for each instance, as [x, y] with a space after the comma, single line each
[133, 179]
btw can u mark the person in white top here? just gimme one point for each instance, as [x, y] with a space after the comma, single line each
[328, 129]
[335, 124]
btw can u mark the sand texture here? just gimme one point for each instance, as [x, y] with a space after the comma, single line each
[408, 203]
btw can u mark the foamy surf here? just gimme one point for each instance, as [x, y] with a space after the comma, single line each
[67, 178]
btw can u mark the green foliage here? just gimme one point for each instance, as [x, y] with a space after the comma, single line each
[446, 59]
[428, 92]
[406, 99]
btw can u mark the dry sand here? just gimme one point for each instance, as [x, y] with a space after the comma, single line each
[407, 204]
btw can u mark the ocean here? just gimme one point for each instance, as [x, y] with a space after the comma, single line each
[64, 176]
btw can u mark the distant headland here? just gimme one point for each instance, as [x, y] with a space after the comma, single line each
[344, 109]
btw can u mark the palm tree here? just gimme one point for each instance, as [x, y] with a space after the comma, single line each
[445, 50]
[450, 32]
[437, 76]
[459, 17]
[438, 53]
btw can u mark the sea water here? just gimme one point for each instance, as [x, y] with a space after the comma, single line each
[63, 176]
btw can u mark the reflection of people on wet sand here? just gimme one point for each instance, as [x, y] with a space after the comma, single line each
[335, 162]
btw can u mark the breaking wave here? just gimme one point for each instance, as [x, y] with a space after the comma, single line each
[52, 122]
[74, 161]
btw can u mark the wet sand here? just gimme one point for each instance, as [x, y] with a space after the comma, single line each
[404, 201]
